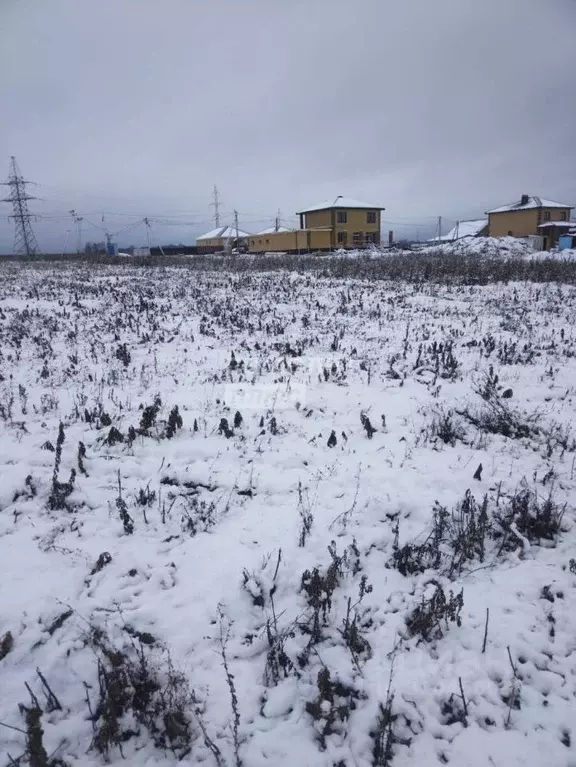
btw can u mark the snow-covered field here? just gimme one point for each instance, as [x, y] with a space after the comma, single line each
[279, 519]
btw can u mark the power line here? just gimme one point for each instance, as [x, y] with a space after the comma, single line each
[25, 242]
[100, 228]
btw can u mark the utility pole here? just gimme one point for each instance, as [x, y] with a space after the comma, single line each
[278, 220]
[439, 228]
[78, 221]
[236, 226]
[25, 243]
[66, 242]
[216, 205]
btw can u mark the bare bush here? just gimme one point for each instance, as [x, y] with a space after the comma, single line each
[149, 416]
[6, 644]
[526, 518]
[198, 515]
[174, 422]
[497, 417]
[473, 530]
[60, 490]
[445, 427]
[332, 707]
[140, 680]
[431, 619]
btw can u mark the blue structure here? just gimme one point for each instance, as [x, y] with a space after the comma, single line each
[111, 248]
[567, 241]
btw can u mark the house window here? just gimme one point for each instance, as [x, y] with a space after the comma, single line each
[341, 236]
[357, 238]
[371, 217]
[510, 233]
[546, 215]
[563, 216]
[342, 217]
[370, 237]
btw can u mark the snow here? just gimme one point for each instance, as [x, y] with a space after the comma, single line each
[568, 254]
[501, 247]
[495, 247]
[561, 224]
[533, 202]
[223, 232]
[463, 229]
[273, 230]
[212, 234]
[341, 202]
[229, 232]
[313, 353]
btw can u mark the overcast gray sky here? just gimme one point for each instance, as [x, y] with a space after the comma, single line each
[427, 107]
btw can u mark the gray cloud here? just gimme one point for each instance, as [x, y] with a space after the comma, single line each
[429, 108]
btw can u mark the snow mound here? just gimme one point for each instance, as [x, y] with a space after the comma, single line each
[504, 247]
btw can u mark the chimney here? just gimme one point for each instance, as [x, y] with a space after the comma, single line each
[525, 199]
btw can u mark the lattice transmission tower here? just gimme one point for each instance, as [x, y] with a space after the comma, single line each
[216, 205]
[25, 243]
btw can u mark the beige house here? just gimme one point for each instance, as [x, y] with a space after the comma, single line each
[353, 224]
[225, 238]
[529, 216]
[338, 223]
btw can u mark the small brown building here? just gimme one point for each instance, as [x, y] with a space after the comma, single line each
[284, 240]
[526, 217]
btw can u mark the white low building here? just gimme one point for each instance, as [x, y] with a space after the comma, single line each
[464, 229]
[222, 238]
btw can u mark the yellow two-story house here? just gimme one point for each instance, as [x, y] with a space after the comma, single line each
[530, 216]
[337, 223]
[353, 224]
